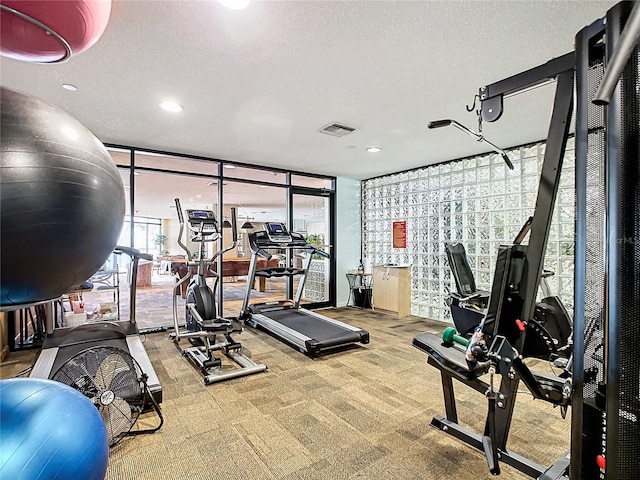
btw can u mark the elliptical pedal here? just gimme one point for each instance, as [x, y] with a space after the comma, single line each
[213, 362]
[236, 346]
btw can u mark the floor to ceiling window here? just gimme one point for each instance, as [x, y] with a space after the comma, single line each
[152, 182]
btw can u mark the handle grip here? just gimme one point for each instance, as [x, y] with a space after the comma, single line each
[234, 225]
[438, 124]
[179, 209]
[507, 161]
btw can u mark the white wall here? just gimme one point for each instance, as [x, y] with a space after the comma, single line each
[348, 234]
[170, 228]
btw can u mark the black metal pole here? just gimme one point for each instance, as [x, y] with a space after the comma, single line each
[581, 147]
[612, 261]
[547, 192]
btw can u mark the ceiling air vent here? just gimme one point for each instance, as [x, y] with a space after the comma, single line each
[336, 129]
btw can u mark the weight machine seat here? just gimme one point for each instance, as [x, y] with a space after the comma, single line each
[463, 275]
[448, 357]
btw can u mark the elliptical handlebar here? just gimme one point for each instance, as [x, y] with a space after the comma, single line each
[234, 226]
[181, 220]
[234, 236]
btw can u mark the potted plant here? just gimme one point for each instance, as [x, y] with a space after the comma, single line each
[160, 241]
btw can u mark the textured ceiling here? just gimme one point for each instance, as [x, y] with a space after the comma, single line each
[257, 84]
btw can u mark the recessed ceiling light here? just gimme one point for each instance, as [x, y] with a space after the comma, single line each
[373, 149]
[229, 166]
[235, 4]
[136, 173]
[68, 86]
[171, 106]
[263, 186]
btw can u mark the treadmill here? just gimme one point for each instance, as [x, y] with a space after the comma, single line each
[64, 343]
[308, 331]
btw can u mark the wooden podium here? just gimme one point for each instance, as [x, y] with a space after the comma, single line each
[392, 289]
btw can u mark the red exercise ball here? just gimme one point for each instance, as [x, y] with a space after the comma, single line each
[48, 31]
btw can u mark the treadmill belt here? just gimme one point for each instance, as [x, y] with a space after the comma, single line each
[309, 325]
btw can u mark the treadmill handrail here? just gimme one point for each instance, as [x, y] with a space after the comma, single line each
[132, 252]
[135, 255]
[259, 242]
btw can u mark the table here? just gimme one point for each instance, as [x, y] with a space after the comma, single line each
[360, 289]
[231, 267]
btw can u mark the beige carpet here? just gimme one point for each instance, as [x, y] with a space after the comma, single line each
[361, 413]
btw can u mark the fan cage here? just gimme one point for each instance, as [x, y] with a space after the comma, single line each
[114, 382]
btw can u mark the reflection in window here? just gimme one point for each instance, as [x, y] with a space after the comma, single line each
[121, 157]
[254, 174]
[175, 163]
[147, 233]
[311, 182]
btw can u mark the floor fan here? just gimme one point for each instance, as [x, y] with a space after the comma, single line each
[112, 379]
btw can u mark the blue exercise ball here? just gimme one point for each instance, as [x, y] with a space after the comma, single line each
[62, 201]
[49, 430]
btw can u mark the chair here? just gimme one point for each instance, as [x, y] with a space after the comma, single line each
[462, 273]
[165, 264]
[157, 264]
[468, 304]
[360, 290]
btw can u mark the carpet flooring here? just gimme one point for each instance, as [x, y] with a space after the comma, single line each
[359, 413]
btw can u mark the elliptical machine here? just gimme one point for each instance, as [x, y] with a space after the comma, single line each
[204, 321]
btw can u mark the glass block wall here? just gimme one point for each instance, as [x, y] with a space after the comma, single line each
[477, 201]
[315, 286]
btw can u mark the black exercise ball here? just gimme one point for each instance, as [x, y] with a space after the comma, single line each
[62, 204]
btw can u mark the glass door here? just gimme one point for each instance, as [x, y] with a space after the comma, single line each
[255, 205]
[311, 216]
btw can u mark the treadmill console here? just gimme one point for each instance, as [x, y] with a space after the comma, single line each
[278, 233]
[202, 221]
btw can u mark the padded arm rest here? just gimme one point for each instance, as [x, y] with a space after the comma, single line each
[279, 272]
[448, 357]
[480, 295]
